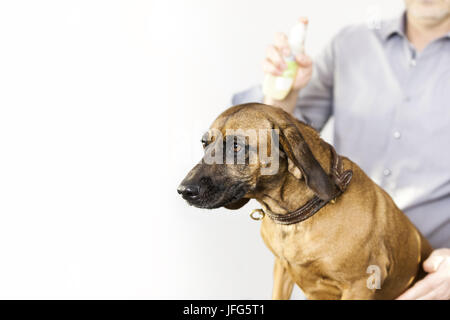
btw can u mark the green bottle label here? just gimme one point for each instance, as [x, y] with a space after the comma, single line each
[290, 70]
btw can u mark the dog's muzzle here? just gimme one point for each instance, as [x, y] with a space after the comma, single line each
[189, 192]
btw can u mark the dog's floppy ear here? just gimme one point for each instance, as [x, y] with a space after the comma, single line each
[237, 204]
[298, 151]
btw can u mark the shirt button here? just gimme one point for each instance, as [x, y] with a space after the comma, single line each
[386, 172]
[407, 98]
[397, 134]
[413, 63]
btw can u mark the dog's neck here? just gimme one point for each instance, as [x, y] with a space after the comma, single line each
[287, 195]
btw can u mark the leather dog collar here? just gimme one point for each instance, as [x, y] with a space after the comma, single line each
[341, 179]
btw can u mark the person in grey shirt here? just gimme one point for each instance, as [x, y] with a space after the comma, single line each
[388, 89]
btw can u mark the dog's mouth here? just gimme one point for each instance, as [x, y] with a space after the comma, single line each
[212, 196]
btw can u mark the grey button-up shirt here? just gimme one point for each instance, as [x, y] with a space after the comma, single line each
[391, 107]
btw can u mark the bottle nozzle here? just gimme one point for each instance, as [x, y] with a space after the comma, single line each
[303, 20]
[297, 36]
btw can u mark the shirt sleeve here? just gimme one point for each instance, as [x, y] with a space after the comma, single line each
[253, 94]
[315, 101]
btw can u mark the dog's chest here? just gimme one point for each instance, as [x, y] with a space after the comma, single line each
[285, 241]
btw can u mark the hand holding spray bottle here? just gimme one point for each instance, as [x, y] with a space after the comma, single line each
[278, 87]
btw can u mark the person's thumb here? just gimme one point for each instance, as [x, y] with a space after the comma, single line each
[303, 60]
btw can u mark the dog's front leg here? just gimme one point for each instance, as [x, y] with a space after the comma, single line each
[282, 282]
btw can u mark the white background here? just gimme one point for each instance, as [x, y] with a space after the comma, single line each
[102, 105]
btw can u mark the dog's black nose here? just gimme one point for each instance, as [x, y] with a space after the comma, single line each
[189, 192]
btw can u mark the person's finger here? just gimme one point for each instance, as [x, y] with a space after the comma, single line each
[275, 57]
[304, 73]
[439, 293]
[281, 43]
[420, 289]
[432, 263]
[303, 60]
[302, 78]
[435, 260]
[269, 67]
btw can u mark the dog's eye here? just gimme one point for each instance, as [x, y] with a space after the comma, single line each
[236, 147]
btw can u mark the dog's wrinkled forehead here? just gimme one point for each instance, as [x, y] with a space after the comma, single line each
[244, 118]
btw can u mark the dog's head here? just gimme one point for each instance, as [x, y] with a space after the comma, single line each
[247, 148]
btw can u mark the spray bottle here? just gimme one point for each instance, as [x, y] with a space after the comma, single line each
[278, 87]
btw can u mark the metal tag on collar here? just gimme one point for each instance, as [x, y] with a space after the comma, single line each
[259, 216]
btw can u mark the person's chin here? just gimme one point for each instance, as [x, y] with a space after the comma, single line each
[424, 12]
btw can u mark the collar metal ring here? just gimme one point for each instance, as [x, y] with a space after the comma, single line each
[259, 216]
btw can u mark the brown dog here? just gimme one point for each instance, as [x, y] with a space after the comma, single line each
[348, 240]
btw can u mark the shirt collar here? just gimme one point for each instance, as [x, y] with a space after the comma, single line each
[397, 26]
[393, 26]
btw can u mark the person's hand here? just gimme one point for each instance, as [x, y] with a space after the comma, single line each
[436, 285]
[274, 62]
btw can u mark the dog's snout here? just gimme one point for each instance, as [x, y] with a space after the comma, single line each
[189, 192]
